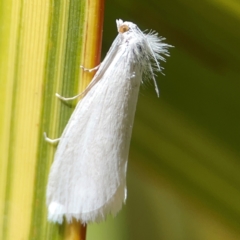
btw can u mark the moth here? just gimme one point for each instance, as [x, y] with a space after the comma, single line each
[87, 179]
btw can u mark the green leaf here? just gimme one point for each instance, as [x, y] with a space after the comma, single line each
[42, 47]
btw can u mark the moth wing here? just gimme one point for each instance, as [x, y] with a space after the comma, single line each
[87, 178]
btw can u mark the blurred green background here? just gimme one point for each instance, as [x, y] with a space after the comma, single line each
[184, 163]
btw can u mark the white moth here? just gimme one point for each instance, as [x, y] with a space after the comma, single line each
[87, 179]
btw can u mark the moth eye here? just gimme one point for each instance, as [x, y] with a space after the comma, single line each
[123, 29]
[139, 48]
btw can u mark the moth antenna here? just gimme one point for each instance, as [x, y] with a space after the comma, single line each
[154, 80]
[152, 52]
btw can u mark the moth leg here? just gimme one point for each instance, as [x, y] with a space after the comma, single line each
[80, 94]
[67, 99]
[90, 69]
[49, 140]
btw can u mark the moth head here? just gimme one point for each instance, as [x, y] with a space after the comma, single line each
[125, 26]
